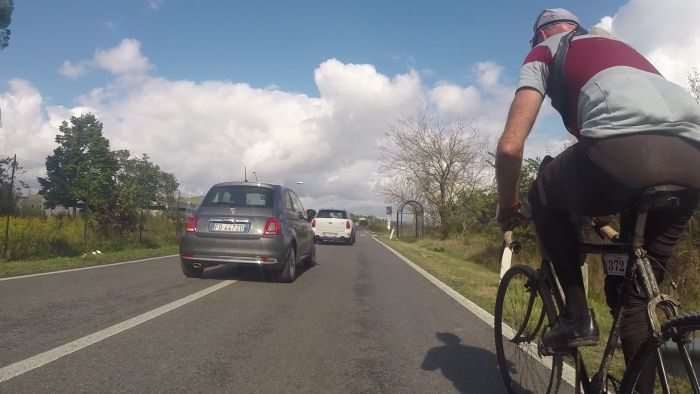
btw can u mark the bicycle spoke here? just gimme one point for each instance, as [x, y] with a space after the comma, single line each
[690, 370]
[522, 311]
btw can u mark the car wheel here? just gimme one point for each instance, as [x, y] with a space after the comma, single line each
[311, 260]
[289, 271]
[190, 271]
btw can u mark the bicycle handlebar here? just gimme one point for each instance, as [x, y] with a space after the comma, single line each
[604, 231]
[508, 237]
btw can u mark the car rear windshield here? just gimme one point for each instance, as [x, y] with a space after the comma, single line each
[239, 196]
[327, 213]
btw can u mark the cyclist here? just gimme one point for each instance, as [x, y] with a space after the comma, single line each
[634, 130]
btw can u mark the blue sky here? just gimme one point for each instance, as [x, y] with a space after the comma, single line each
[280, 43]
[328, 80]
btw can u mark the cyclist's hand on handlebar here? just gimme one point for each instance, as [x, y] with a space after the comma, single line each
[510, 218]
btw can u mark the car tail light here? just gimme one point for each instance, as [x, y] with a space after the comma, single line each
[191, 224]
[347, 224]
[313, 222]
[272, 227]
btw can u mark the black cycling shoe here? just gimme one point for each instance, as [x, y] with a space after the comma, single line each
[569, 333]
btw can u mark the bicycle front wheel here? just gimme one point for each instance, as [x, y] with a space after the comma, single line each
[520, 317]
[677, 366]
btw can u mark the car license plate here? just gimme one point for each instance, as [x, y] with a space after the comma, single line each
[615, 264]
[228, 227]
[329, 234]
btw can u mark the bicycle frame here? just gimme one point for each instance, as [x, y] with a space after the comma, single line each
[638, 274]
[639, 270]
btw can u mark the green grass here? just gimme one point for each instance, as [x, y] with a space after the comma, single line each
[448, 261]
[24, 267]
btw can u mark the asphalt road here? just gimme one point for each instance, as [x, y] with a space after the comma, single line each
[360, 321]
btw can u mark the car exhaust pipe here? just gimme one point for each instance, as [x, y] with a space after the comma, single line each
[197, 266]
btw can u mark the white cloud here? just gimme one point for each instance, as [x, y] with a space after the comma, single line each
[606, 23]
[29, 126]
[453, 99]
[667, 32]
[154, 4]
[72, 70]
[125, 58]
[204, 132]
[488, 74]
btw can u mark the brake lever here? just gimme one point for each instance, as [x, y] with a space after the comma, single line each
[510, 243]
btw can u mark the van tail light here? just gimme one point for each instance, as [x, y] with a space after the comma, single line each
[347, 224]
[273, 227]
[191, 224]
[313, 223]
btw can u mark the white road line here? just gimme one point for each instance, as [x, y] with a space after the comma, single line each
[568, 373]
[41, 359]
[92, 267]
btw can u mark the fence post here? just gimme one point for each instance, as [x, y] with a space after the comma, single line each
[85, 224]
[141, 226]
[11, 207]
[584, 273]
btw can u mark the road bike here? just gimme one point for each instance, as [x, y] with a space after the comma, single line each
[530, 300]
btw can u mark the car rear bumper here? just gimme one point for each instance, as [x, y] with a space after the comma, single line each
[336, 238]
[260, 260]
[264, 252]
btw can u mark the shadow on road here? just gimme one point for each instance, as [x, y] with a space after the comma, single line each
[470, 369]
[331, 243]
[243, 274]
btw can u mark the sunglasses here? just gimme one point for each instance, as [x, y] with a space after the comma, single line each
[536, 38]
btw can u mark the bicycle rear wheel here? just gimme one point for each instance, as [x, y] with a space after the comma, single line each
[683, 365]
[520, 318]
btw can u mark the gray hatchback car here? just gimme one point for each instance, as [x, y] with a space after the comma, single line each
[249, 224]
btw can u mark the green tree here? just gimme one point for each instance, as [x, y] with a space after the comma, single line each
[166, 197]
[141, 186]
[9, 198]
[138, 187]
[528, 174]
[81, 169]
[6, 8]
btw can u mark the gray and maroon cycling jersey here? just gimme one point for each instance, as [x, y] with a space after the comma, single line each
[611, 89]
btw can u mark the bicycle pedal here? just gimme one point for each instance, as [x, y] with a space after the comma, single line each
[609, 386]
[550, 351]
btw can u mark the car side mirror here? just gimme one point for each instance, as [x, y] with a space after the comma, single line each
[310, 214]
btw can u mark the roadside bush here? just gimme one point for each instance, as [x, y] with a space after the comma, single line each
[484, 246]
[45, 237]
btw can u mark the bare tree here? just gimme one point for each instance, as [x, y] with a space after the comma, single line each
[399, 189]
[440, 160]
[694, 82]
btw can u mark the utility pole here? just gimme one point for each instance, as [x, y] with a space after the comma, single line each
[177, 216]
[245, 174]
[11, 207]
